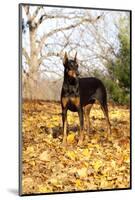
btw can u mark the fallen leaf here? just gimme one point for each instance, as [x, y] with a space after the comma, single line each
[85, 152]
[97, 164]
[70, 138]
[53, 181]
[45, 156]
[82, 173]
[102, 162]
[78, 184]
[71, 155]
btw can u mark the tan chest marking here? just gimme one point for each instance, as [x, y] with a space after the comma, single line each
[65, 101]
[75, 101]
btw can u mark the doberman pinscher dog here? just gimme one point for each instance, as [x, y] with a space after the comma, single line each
[79, 94]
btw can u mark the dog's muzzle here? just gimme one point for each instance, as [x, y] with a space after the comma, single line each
[72, 73]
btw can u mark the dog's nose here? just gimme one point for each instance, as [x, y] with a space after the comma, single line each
[72, 73]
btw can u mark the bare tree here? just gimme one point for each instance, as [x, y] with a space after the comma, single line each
[51, 31]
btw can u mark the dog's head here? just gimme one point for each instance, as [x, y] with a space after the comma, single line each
[71, 66]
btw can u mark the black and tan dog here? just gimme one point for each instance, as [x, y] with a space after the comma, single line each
[79, 94]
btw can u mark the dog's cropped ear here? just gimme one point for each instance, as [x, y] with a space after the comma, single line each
[65, 59]
[75, 58]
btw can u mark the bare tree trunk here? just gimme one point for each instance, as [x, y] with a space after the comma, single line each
[33, 65]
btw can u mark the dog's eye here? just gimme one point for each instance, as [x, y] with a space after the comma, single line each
[67, 69]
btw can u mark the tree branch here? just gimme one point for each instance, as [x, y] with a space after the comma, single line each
[36, 12]
[25, 53]
[27, 11]
[45, 36]
[49, 54]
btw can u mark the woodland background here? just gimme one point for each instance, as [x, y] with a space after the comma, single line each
[100, 38]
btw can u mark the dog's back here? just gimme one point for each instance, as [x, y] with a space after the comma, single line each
[91, 89]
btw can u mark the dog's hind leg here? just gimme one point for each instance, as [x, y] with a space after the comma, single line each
[101, 96]
[105, 111]
[87, 110]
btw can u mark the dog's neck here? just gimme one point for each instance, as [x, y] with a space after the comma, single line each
[71, 86]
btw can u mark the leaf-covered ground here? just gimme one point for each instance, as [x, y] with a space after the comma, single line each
[102, 162]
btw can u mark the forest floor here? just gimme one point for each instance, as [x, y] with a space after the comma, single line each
[102, 162]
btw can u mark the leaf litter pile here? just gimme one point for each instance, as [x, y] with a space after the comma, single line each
[102, 162]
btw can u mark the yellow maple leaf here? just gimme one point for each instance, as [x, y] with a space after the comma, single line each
[70, 138]
[71, 155]
[97, 164]
[78, 183]
[32, 163]
[127, 159]
[44, 188]
[85, 152]
[82, 173]
[85, 164]
[54, 181]
[30, 149]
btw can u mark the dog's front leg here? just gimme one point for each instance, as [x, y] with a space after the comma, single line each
[64, 121]
[81, 137]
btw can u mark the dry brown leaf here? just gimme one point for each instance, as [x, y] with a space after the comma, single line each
[82, 173]
[71, 155]
[103, 161]
[45, 156]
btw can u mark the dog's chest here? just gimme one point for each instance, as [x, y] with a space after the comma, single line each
[72, 103]
[70, 96]
[70, 90]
